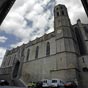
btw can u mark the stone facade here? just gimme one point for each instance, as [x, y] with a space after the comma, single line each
[61, 54]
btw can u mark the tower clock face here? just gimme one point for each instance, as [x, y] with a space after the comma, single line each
[59, 31]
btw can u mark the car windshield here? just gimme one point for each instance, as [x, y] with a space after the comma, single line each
[54, 81]
[45, 81]
[62, 82]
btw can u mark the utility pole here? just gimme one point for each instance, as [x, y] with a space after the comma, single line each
[5, 6]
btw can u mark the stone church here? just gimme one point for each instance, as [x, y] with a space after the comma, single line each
[61, 54]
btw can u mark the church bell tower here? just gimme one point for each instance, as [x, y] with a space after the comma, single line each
[61, 18]
[65, 45]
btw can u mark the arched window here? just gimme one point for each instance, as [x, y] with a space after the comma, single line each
[56, 8]
[14, 59]
[36, 53]
[22, 52]
[62, 12]
[3, 64]
[9, 61]
[83, 60]
[61, 7]
[86, 31]
[85, 69]
[28, 52]
[48, 49]
[57, 13]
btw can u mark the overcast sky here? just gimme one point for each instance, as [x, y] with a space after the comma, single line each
[29, 19]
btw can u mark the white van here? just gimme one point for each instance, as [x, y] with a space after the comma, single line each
[46, 83]
[57, 83]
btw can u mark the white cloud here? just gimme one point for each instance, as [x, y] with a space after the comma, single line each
[38, 8]
[3, 39]
[26, 7]
[39, 12]
[17, 44]
[15, 25]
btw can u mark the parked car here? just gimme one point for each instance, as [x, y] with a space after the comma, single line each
[31, 85]
[57, 83]
[39, 84]
[3, 83]
[70, 84]
[46, 83]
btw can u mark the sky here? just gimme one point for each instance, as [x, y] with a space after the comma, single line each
[29, 19]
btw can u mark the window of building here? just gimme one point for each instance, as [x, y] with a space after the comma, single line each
[14, 59]
[4, 63]
[9, 61]
[28, 52]
[86, 31]
[83, 60]
[22, 52]
[57, 13]
[85, 69]
[62, 12]
[48, 49]
[61, 7]
[36, 53]
[80, 41]
[56, 8]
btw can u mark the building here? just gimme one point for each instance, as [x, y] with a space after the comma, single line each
[5, 6]
[61, 54]
[85, 4]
